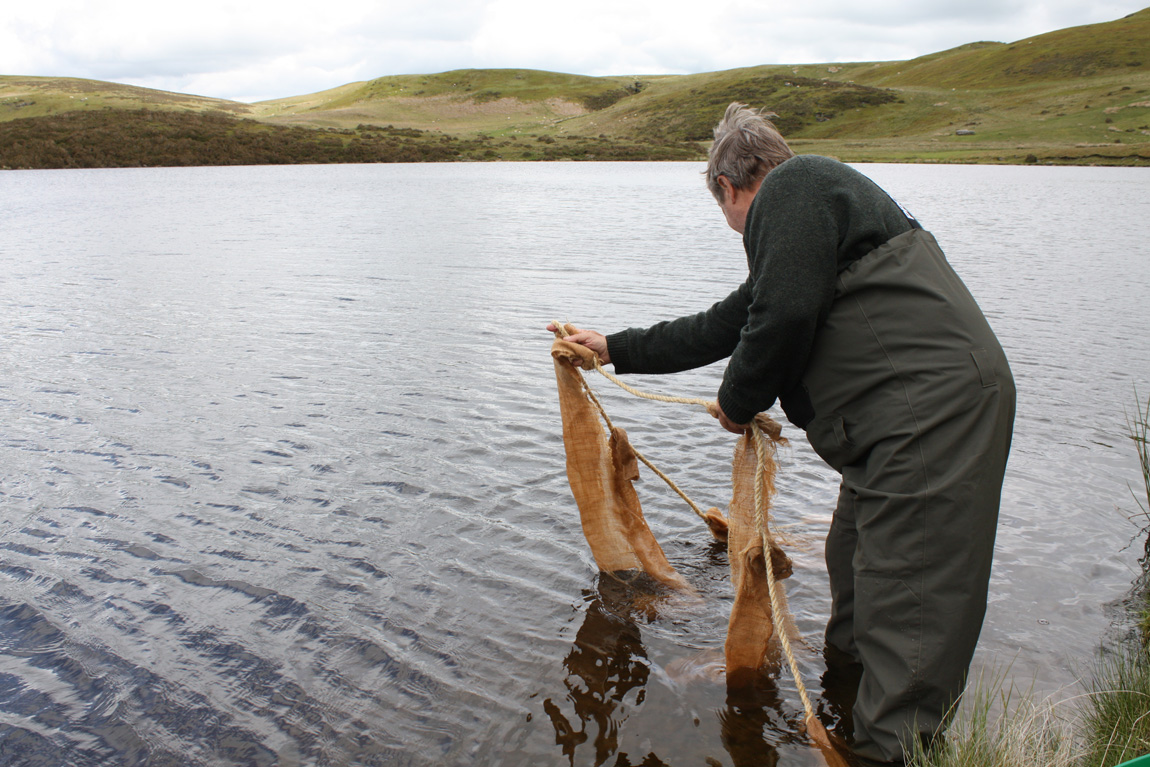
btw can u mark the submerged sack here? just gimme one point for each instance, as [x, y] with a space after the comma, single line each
[601, 468]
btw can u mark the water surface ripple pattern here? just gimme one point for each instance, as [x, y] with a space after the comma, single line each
[282, 474]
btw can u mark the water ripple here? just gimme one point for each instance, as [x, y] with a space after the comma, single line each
[284, 478]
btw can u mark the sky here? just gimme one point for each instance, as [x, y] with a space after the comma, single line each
[254, 50]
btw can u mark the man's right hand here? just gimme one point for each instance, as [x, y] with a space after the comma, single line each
[593, 340]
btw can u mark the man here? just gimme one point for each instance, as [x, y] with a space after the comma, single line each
[853, 320]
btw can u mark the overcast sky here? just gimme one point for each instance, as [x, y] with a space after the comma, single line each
[252, 50]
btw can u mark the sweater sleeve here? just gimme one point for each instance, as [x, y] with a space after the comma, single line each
[792, 239]
[682, 344]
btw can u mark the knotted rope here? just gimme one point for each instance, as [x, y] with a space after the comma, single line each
[763, 444]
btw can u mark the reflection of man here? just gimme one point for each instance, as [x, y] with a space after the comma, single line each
[852, 318]
[606, 663]
[608, 672]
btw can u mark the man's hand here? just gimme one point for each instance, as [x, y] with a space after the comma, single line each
[727, 423]
[593, 340]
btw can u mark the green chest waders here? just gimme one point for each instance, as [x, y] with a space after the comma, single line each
[914, 404]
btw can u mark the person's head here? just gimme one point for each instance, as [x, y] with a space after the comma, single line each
[747, 147]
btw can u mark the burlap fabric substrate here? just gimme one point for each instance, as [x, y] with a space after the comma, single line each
[601, 467]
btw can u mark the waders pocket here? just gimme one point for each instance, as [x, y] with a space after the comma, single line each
[828, 436]
[985, 367]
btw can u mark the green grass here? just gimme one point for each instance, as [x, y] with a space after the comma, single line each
[462, 101]
[23, 97]
[1138, 429]
[484, 85]
[999, 726]
[1075, 53]
[1116, 722]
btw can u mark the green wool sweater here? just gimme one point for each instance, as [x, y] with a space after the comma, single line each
[811, 218]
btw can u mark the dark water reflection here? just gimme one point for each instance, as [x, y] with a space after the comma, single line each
[607, 665]
[608, 672]
[282, 480]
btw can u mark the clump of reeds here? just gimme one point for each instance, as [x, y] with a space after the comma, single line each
[1116, 716]
[1000, 726]
[1138, 427]
[1144, 621]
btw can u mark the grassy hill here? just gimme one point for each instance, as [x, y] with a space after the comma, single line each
[470, 100]
[1078, 95]
[24, 97]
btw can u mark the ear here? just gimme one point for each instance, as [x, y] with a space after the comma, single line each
[727, 187]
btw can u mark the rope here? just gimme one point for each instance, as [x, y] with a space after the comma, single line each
[778, 604]
[706, 403]
[683, 400]
[646, 462]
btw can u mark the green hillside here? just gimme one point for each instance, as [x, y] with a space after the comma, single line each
[1078, 95]
[1114, 48]
[24, 97]
[463, 101]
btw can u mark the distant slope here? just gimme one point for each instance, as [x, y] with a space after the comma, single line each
[39, 96]
[1078, 95]
[687, 107]
[479, 99]
[1113, 48]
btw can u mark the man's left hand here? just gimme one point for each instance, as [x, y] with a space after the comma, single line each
[728, 424]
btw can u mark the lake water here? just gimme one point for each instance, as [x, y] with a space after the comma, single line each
[282, 478]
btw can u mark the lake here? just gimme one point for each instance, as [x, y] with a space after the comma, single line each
[283, 478]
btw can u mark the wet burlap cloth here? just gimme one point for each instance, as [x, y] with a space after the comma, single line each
[601, 468]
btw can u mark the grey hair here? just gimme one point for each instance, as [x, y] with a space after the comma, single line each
[747, 147]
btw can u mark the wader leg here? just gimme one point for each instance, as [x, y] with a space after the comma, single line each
[840, 551]
[889, 644]
[926, 511]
